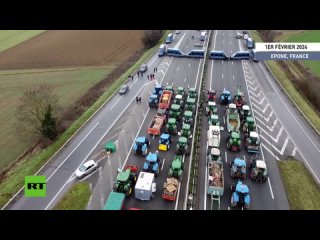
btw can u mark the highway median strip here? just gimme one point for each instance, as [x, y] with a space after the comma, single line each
[14, 180]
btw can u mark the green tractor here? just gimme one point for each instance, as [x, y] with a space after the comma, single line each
[211, 108]
[214, 155]
[170, 88]
[190, 105]
[126, 179]
[175, 112]
[180, 91]
[171, 126]
[186, 131]
[182, 146]
[214, 120]
[188, 118]
[176, 169]
[248, 126]
[178, 99]
[233, 142]
[192, 93]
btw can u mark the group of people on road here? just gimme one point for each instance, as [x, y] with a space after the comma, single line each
[138, 100]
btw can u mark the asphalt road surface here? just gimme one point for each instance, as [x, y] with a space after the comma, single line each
[284, 132]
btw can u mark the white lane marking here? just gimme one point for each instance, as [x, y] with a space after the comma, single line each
[226, 156]
[232, 62]
[259, 107]
[223, 41]
[270, 187]
[185, 79]
[164, 160]
[291, 113]
[224, 120]
[222, 75]
[256, 95]
[222, 61]
[254, 89]
[261, 101]
[272, 154]
[179, 42]
[177, 199]
[211, 74]
[269, 135]
[205, 184]
[178, 68]
[189, 65]
[72, 152]
[116, 103]
[96, 145]
[197, 74]
[183, 158]
[294, 151]
[233, 77]
[279, 151]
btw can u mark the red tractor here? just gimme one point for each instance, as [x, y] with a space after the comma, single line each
[211, 95]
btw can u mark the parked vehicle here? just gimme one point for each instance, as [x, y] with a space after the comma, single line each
[258, 169]
[165, 99]
[241, 55]
[169, 38]
[170, 189]
[195, 54]
[141, 145]
[126, 179]
[146, 187]
[153, 163]
[218, 55]
[213, 137]
[86, 168]
[233, 118]
[175, 52]
[124, 89]
[176, 169]
[143, 68]
[156, 125]
[225, 97]
[240, 197]
[162, 50]
[238, 168]
[115, 201]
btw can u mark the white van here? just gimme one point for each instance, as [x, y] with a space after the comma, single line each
[203, 36]
[145, 187]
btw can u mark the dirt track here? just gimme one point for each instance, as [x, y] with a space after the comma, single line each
[69, 48]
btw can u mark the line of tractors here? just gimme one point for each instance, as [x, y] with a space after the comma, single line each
[176, 110]
[238, 115]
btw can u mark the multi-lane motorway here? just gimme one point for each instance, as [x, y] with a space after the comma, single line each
[283, 131]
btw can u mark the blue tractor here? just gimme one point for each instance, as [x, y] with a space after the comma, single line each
[240, 197]
[152, 163]
[164, 142]
[157, 90]
[238, 168]
[225, 97]
[153, 101]
[141, 146]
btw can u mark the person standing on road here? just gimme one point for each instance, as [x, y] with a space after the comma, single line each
[138, 73]
[156, 69]
[137, 99]
[148, 77]
[141, 74]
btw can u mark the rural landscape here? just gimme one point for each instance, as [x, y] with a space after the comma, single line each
[207, 128]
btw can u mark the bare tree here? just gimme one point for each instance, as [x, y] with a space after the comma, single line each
[151, 37]
[31, 113]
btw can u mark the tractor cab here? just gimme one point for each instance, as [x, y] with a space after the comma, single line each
[141, 145]
[163, 112]
[176, 169]
[249, 126]
[214, 154]
[233, 142]
[259, 171]
[125, 180]
[152, 163]
[171, 126]
[190, 104]
[214, 120]
[153, 100]
[245, 112]
[170, 88]
[192, 93]
[225, 97]
[186, 131]
[157, 90]
[178, 99]
[182, 146]
[252, 143]
[164, 142]
[238, 99]
[240, 197]
[238, 168]
[211, 108]
[211, 95]
[180, 91]
[233, 108]
[175, 111]
[188, 117]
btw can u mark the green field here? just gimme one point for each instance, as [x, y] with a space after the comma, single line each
[67, 84]
[76, 198]
[307, 36]
[11, 38]
[302, 190]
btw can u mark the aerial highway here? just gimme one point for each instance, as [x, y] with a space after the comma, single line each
[283, 131]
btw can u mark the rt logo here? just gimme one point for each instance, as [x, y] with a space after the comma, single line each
[35, 186]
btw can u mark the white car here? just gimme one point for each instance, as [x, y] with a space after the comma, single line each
[86, 168]
[177, 32]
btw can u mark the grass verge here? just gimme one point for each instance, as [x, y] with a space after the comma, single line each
[302, 190]
[76, 198]
[11, 38]
[303, 103]
[15, 177]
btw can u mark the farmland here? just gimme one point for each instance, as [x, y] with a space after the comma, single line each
[70, 62]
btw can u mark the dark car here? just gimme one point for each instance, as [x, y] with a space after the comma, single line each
[143, 68]
[124, 89]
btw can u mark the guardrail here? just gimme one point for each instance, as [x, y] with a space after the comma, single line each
[191, 191]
